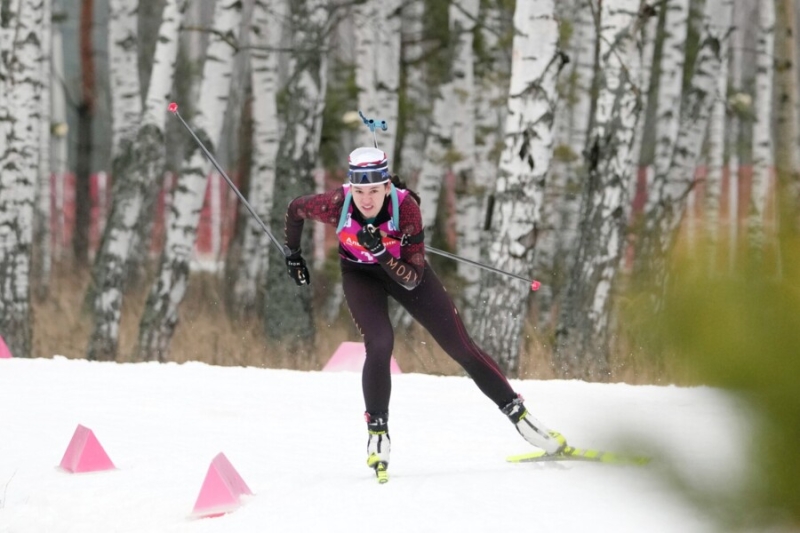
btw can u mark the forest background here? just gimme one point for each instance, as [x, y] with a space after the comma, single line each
[587, 144]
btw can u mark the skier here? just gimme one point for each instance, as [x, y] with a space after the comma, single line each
[382, 254]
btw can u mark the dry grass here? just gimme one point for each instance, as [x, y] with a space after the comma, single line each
[206, 333]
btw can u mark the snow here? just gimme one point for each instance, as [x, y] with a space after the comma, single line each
[298, 440]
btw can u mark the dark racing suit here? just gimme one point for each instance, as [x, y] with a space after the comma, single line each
[408, 279]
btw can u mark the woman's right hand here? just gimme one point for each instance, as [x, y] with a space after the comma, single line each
[296, 266]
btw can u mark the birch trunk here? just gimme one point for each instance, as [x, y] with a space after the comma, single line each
[42, 252]
[536, 62]
[58, 156]
[561, 208]
[670, 87]
[583, 326]
[716, 147]
[670, 189]
[787, 139]
[450, 107]
[160, 316]
[417, 93]
[288, 308]
[469, 187]
[377, 43]
[21, 75]
[266, 35]
[762, 129]
[138, 165]
[490, 94]
[742, 14]
[105, 295]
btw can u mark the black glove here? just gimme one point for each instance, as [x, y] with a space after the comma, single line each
[296, 266]
[370, 238]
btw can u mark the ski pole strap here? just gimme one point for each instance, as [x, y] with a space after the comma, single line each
[345, 210]
[395, 207]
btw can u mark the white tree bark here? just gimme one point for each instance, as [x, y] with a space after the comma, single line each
[288, 315]
[58, 156]
[417, 90]
[762, 129]
[468, 202]
[470, 186]
[670, 87]
[742, 13]
[266, 33]
[20, 36]
[670, 189]
[377, 42]
[450, 109]
[160, 316]
[787, 138]
[123, 48]
[139, 165]
[561, 209]
[536, 62]
[42, 238]
[582, 331]
[716, 145]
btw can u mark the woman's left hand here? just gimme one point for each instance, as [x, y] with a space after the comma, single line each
[370, 238]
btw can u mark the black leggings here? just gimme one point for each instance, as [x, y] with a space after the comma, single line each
[367, 287]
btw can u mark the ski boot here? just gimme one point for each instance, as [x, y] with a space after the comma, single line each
[379, 445]
[532, 430]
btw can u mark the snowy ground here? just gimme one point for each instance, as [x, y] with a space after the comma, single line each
[298, 440]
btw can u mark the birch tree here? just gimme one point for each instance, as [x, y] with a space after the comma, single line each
[536, 62]
[266, 34]
[561, 208]
[787, 138]
[716, 146]
[670, 189]
[583, 326]
[42, 249]
[468, 201]
[83, 156]
[377, 44]
[21, 85]
[416, 89]
[138, 165]
[160, 316]
[670, 89]
[288, 309]
[452, 111]
[762, 129]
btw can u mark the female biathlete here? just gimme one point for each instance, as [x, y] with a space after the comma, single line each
[382, 254]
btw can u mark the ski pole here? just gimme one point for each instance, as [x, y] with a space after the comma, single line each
[534, 284]
[173, 108]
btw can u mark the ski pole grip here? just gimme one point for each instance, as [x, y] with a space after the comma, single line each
[535, 285]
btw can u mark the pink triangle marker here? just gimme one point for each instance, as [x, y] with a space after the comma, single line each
[85, 454]
[350, 357]
[221, 489]
[5, 353]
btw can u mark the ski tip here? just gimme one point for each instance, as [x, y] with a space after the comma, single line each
[172, 107]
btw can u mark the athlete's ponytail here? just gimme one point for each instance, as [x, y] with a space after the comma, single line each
[400, 184]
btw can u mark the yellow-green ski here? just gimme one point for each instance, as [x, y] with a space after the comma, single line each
[580, 454]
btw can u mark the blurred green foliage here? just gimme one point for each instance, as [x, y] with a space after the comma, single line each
[740, 331]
